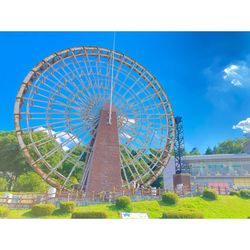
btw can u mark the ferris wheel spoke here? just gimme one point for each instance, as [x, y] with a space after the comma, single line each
[32, 128]
[127, 165]
[128, 74]
[58, 83]
[132, 86]
[132, 162]
[136, 160]
[149, 168]
[87, 165]
[88, 74]
[153, 161]
[67, 155]
[54, 135]
[49, 101]
[55, 149]
[98, 85]
[126, 177]
[140, 142]
[84, 88]
[57, 86]
[118, 70]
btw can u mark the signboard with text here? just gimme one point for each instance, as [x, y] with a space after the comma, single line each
[126, 215]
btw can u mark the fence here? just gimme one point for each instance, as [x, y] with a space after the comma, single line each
[136, 194]
[27, 200]
[24, 200]
[198, 188]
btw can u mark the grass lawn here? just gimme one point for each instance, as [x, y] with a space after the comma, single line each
[224, 207]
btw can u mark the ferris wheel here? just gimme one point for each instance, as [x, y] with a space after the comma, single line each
[57, 112]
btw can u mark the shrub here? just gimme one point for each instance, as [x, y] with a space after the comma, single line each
[123, 202]
[209, 194]
[233, 192]
[67, 207]
[4, 211]
[183, 214]
[245, 194]
[89, 215]
[30, 182]
[3, 184]
[169, 198]
[43, 209]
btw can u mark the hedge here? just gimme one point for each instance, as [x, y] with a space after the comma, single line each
[169, 198]
[183, 214]
[43, 209]
[4, 211]
[89, 215]
[123, 202]
[233, 192]
[67, 207]
[209, 194]
[245, 194]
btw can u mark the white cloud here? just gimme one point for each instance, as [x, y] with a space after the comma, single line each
[244, 125]
[40, 129]
[236, 82]
[237, 74]
[60, 137]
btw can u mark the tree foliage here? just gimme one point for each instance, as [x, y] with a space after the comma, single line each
[230, 146]
[12, 161]
[158, 183]
[3, 184]
[30, 182]
[194, 151]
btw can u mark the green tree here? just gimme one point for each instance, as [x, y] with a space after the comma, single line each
[230, 146]
[3, 184]
[12, 161]
[30, 182]
[209, 151]
[194, 151]
[158, 183]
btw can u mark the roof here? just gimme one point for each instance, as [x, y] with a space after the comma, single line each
[217, 157]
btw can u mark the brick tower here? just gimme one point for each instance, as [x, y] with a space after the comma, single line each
[104, 159]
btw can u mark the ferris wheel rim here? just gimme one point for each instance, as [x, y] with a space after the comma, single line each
[50, 60]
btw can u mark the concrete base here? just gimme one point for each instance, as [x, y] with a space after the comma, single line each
[182, 180]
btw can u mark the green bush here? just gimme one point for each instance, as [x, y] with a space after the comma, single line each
[233, 192]
[209, 194]
[30, 182]
[89, 215]
[4, 211]
[169, 198]
[123, 202]
[3, 184]
[43, 209]
[67, 207]
[183, 214]
[245, 194]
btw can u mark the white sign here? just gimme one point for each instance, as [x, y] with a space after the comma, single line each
[134, 216]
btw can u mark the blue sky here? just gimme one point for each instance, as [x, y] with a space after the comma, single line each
[206, 75]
